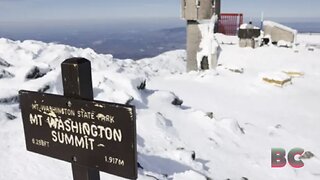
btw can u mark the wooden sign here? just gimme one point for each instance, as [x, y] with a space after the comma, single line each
[93, 134]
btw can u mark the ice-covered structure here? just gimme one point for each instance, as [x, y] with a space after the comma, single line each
[278, 32]
[201, 16]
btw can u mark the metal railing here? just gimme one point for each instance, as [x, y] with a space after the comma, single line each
[229, 23]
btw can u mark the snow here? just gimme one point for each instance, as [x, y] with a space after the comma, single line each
[248, 26]
[222, 39]
[224, 129]
[189, 175]
[283, 43]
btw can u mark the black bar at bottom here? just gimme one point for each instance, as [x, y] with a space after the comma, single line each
[84, 173]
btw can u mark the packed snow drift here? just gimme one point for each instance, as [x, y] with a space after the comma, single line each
[216, 124]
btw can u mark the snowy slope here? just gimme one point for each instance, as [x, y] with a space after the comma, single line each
[229, 120]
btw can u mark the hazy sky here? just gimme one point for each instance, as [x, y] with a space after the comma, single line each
[35, 10]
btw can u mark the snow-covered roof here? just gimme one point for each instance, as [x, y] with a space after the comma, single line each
[275, 24]
[248, 26]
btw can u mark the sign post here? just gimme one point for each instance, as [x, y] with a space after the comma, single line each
[92, 135]
[77, 83]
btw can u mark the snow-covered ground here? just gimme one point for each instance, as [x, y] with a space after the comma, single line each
[230, 118]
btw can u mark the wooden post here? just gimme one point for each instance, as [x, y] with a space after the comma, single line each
[77, 83]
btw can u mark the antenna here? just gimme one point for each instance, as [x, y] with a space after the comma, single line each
[262, 19]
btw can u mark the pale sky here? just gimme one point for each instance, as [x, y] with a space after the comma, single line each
[44, 10]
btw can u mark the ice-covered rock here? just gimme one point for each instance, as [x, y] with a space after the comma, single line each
[5, 74]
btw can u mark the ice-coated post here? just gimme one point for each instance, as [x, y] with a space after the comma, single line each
[194, 12]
